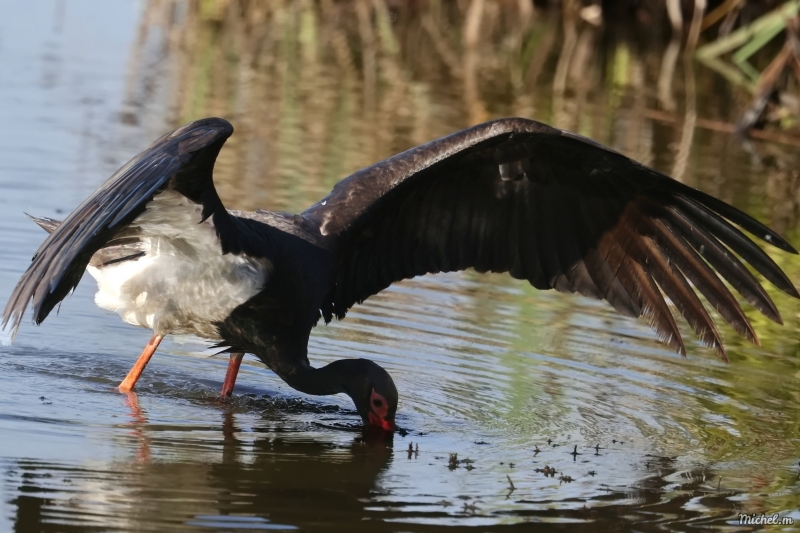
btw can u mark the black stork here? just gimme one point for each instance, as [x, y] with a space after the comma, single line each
[511, 195]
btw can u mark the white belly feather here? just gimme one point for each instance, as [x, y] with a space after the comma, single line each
[183, 283]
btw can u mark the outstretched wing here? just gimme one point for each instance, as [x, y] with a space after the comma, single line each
[181, 160]
[556, 209]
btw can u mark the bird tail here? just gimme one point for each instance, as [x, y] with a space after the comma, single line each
[47, 224]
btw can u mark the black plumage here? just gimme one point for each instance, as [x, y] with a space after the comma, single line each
[511, 195]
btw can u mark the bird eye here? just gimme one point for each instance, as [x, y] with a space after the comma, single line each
[377, 403]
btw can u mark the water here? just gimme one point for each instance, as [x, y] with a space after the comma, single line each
[487, 367]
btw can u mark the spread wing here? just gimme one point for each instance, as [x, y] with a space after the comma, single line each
[181, 160]
[558, 210]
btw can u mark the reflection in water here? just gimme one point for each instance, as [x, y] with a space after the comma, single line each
[268, 480]
[488, 368]
[286, 482]
[137, 425]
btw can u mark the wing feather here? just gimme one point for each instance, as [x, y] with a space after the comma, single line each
[558, 210]
[726, 263]
[181, 160]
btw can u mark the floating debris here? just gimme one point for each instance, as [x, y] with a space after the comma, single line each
[453, 464]
[481, 442]
[512, 488]
[470, 508]
[547, 471]
[564, 479]
[412, 451]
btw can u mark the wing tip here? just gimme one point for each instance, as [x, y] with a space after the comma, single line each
[737, 216]
[777, 241]
[671, 338]
[719, 349]
[792, 290]
[744, 328]
[47, 224]
[12, 319]
[679, 347]
[9, 326]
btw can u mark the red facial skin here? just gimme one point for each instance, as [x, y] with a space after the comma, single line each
[379, 409]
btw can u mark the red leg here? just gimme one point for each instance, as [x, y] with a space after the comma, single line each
[230, 376]
[133, 376]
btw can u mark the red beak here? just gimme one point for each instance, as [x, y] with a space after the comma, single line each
[376, 421]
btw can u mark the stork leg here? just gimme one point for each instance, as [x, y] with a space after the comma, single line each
[133, 376]
[230, 376]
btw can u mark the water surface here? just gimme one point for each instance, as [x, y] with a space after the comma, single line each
[487, 367]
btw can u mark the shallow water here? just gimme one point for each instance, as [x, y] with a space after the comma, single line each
[487, 367]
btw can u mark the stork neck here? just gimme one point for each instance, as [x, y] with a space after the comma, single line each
[330, 379]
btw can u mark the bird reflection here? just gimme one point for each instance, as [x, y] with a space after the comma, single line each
[138, 425]
[273, 475]
[277, 475]
[302, 481]
[230, 444]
